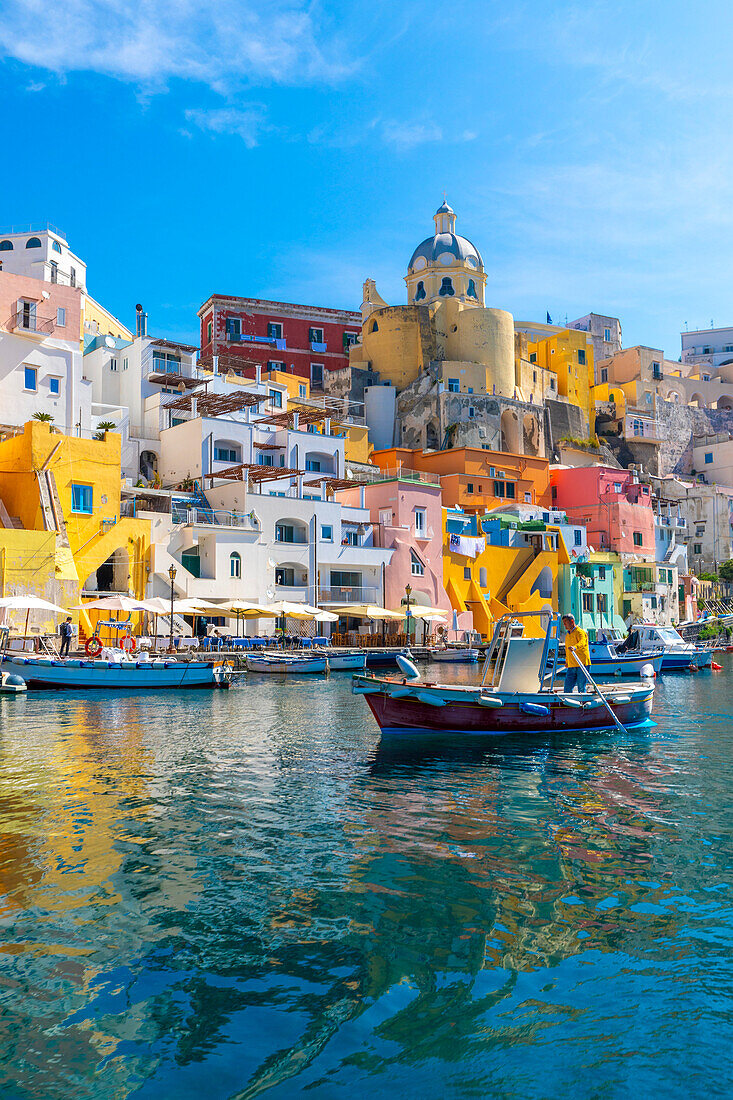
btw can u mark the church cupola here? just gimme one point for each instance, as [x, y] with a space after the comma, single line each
[445, 266]
[445, 219]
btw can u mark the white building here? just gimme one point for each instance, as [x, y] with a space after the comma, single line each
[605, 333]
[706, 512]
[42, 254]
[712, 347]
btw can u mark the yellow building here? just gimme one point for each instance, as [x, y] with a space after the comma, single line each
[98, 321]
[516, 571]
[61, 526]
[567, 357]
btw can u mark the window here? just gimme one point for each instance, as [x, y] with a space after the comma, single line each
[552, 383]
[728, 347]
[54, 271]
[416, 566]
[588, 601]
[708, 456]
[317, 375]
[706, 377]
[697, 548]
[527, 498]
[601, 572]
[233, 327]
[33, 242]
[125, 364]
[113, 364]
[454, 386]
[534, 375]
[6, 246]
[533, 357]
[553, 492]
[375, 327]
[224, 453]
[602, 602]
[469, 487]
[350, 538]
[350, 338]
[471, 292]
[446, 288]
[275, 364]
[471, 412]
[466, 572]
[276, 398]
[511, 490]
[637, 538]
[302, 390]
[581, 356]
[72, 277]
[275, 330]
[656, 371]
[607, 335]
[265, 460]
[705, 350]
[61, 318]
[499, 487]
[420, 521]
[209, 332]
[327, 532]
[285, 577]
[30, 375]
[55, 246]
[54, 385]
[604, 374]
[315, 335]
[577, 537]
[81, 499]
[313, 464]
[235, 565]
[286, 532]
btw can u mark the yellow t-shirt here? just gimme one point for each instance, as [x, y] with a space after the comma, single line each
[578, 639]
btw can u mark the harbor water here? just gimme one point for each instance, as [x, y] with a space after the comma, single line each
[249, 893]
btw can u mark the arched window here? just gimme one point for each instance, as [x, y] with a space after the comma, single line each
[33, 242]
[6, 246]
[56, 246]
[446, 288]
[471, 292]
[375, 327]
[420, 292]
[235, 565]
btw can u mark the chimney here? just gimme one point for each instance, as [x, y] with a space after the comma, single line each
[258, 374]
[194, 407]
[141, 327]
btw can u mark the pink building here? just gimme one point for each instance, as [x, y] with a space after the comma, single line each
[409, 515]
[613, 506]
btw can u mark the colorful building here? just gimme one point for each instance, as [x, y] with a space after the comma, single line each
[590, 591]
[568, 357]
[476, 480]
[308, 341]
[612, 504]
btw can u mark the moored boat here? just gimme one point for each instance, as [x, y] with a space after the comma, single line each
[459, 655]
[284, 664]
[339, 661]
[519, 697]
[677, 654]
[606, 660]
[44, 673]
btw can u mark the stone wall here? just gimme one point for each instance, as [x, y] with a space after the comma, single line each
[677, 425]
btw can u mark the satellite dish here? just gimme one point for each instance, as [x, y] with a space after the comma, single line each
[109, 342]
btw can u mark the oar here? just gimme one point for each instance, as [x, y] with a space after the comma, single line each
[603, 698]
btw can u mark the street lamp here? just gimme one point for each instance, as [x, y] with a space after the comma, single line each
[408, 591]
[172, 574]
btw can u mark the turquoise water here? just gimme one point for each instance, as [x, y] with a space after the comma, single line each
[244, 893]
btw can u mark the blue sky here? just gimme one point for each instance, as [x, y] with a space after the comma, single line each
[290, 150]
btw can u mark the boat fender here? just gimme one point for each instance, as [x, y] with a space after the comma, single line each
[489, 701]
[716, 666]
[647, 672]
[592, 703]
[619, 699]
[11, 680]
[400, 693]
[407, 667]
[364, 689]
[571, 702]
[433, 700]
[534, 708]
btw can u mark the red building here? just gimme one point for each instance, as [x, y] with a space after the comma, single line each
[242, 333]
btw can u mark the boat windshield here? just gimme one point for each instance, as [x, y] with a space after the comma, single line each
[667, 634]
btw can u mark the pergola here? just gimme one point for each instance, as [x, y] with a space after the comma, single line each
[167, 378]
[254, 473]
[217, 404]
[333, 484]
[305, 414]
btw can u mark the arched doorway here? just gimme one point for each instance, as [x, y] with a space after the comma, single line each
[543, 583]
[148, 465]
[510, 432]
[531, 433]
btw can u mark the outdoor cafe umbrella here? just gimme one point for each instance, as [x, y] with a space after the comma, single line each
[112, 603]
[245, 610]
[368, 611]
[28, 604]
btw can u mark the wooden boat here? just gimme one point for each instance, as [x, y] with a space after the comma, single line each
[339, 661]
[458, 655]
[519, 697]
[284, 664]
[110, 675]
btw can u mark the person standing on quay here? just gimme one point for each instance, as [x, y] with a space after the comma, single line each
[576, 653]
[66, 634]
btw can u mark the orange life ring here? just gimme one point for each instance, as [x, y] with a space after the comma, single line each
[128, 643]
[93, 647]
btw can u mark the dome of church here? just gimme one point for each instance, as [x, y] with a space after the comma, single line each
[445, 243]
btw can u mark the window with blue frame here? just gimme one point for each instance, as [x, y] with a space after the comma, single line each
[471, 292]
[709, 456]
[454, 386]
[446, 288]
[578, 537]
[581, 357]
[420, 292]
[30, 378]
[54, 385]
[225, 454]
[81, 499]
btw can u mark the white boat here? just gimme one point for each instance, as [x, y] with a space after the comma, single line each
[607, 660]
[459, 655]
[149, 675]
[354, 661]
[10, 684]
[284, 664]
[678, 655]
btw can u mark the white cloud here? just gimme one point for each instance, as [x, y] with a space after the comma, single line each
[406, 135]
[247, 122]
[220, 43]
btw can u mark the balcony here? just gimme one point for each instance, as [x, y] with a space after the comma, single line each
[26, 322]
[341, 594]
[291, 536]
[398, 473]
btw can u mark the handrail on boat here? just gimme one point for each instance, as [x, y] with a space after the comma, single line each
[502, 635]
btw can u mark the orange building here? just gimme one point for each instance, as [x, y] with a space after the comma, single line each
[474, 479]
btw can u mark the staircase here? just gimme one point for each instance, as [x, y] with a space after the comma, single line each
[9, 522]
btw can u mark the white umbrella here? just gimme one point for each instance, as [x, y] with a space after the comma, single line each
[30, 603]
[246, 610]
[368, 611]
[293, 610]
[112, 603]
[325, 617]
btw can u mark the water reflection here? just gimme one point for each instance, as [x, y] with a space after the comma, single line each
[249, 893]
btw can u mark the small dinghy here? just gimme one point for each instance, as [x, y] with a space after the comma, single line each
[283, 664]
[457, 655]
[515, 694]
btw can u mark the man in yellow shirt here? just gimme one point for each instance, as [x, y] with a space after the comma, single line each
[575, 639]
